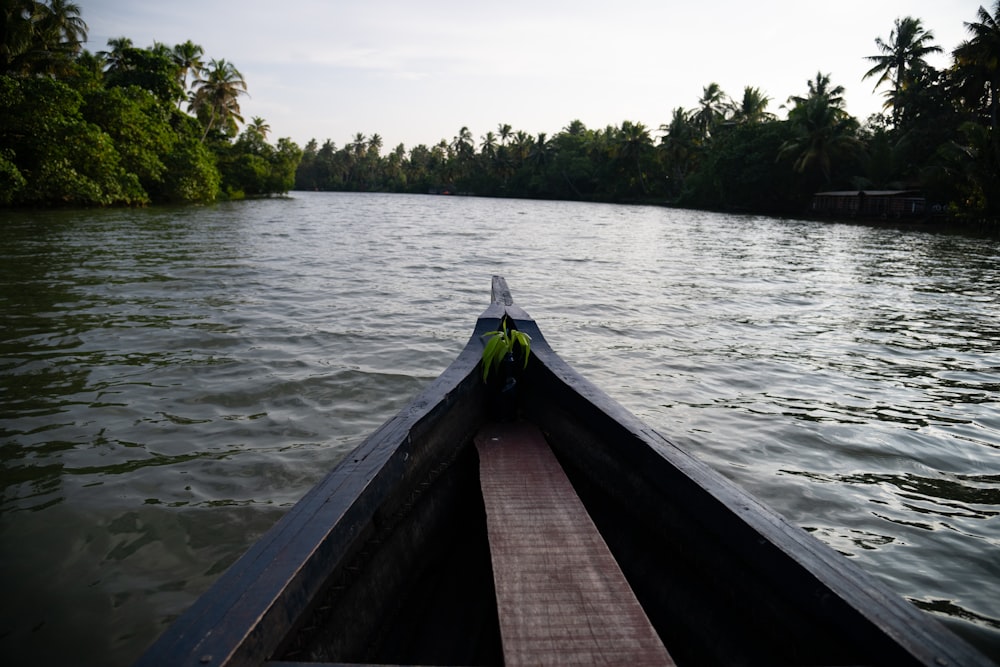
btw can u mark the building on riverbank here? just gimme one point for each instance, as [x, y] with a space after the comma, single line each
[870, 204]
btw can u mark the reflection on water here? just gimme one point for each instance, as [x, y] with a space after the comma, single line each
[174, 379]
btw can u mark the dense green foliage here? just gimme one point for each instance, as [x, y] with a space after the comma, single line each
[86, 129]
[939, 135]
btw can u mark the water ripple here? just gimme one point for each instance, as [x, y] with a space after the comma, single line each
[174, 379]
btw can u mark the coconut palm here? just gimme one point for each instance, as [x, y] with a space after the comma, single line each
[114, 56]
[634, 142]
[505, 131]
[820, 89]
[17, 32]
[38, 37]
[978, 64]
[187, 57]
[260, 127]
[540, 151]
[576, 128]
[824, 131]
[462, 144]
[752, 108]
[216, 96]
[488, 146]
[61, 26]
[680, 146]
[901, 58]
[711, 109]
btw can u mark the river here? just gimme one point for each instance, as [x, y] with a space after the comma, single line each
[174, 379]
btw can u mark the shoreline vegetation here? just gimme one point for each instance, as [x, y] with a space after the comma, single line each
[137, 126]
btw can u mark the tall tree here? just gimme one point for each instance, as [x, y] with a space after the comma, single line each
[505, 132]
[634, 143]
[821, 88]
[978, 62]
[17, 33]
[62, 27]
[978, 70]
[39, 37]
[824, 133]
[187, 57]
[711, 109]
[680, 146]
[114, 57]
[259, 127]
[752, 108]
[901, 59]
[462, 144]
[488, 146]
[216, 97]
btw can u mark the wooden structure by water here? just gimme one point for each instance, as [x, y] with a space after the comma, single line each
[396, 558]
[870, 204]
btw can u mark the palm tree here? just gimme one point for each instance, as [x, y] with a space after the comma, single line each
[576, 128]
[488, 147]
[38, 37]
[62, 26]
[17, 32]
[901, 58]
[634, 141]
[187, 57]
[540, 151]
[505, 133]
[752, 108]
[680, 144]
[259, 127]
[819, 88]
[462, 144]
[711, 109]
[114, 57]
[216, 96]
[978, 62]
[824, 131]
[521, 144]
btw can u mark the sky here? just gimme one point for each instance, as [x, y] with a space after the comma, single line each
[417, 72]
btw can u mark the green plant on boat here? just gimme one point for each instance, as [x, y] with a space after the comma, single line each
[502, 344]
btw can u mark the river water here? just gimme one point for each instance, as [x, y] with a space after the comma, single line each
[172, 380]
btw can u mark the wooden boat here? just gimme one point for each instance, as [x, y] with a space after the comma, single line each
[393, 558]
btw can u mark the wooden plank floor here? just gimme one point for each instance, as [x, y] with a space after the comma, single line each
[561, 596]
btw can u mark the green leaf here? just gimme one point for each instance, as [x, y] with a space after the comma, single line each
[496, 348]
[524, 340]
[501, 343]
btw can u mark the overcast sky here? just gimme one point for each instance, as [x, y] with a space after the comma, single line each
[417, 72]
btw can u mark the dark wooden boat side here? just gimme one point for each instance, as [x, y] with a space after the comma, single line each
[386, 560]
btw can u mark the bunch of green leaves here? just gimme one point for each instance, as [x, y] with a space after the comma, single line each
[502, 343]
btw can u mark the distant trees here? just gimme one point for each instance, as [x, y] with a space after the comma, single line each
[130, 125]
[735, 153]
[78, 128]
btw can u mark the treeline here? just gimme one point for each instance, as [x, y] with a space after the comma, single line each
[938, 134]
[126, 126]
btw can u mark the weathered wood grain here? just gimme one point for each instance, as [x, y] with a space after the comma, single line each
[561, 596]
